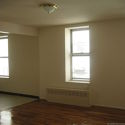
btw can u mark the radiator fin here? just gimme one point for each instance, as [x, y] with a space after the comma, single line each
[67, 92]
[68, 96]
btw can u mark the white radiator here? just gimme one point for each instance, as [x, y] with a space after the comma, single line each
[68, 96]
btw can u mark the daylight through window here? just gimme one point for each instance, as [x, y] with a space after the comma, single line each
[4, 67]
[80, 56]
[77, 54]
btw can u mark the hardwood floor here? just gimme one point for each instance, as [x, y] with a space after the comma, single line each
[44, 113]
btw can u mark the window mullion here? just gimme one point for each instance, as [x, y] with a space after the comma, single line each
[80, 54]
[4, 57]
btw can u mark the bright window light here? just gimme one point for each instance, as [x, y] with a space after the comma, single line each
[77, 54]
[80, 41]
[80, 67]
[4, 66]
[80, 54]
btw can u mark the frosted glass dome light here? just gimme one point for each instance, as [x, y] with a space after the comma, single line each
[50, 8]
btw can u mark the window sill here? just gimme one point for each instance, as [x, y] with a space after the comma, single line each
[74, 81]
[4, 77]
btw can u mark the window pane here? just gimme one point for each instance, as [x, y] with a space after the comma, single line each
[4, 47]
[80, 67]
[80, 41]
[4, 67]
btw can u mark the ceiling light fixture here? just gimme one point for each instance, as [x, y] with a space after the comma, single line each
[49, 7]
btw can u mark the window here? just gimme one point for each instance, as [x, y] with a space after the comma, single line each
[4, 66]
[77, 55]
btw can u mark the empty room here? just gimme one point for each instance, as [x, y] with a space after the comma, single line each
[62, 62]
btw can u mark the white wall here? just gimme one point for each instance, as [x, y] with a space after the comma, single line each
[7, 27]
[24, 65]
[52, 60]
[107, 86]
[108, 63]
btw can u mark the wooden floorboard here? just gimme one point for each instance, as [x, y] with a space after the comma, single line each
[44, 113]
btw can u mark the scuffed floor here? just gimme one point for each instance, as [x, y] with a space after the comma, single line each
[9, 101]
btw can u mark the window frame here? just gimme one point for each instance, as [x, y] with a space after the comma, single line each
[77, 55]
[7, 57]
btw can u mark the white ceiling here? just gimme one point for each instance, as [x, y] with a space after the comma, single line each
[28, 12]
